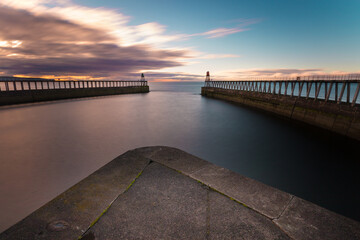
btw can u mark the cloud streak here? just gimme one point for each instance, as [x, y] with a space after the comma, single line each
[61, 38]
[243, 74]
[36, 44]
[277, 71]
[242, 25]
[221, 32]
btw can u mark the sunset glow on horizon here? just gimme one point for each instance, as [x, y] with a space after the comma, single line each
[178, 41]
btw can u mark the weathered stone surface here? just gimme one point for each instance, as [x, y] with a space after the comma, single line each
[341, 124]
[179, 160]
[162, 204]
[148, 152]
[263, 198]
[310, 115]
[230, 220]
[305, 220]
[325, 120]
[284, 110]
[81, 204]
[298, 113]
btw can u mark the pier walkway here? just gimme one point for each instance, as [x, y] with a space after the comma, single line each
[165, 193]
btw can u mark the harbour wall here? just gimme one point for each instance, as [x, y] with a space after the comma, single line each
[29, 96]
[93, 208]
[341, 118]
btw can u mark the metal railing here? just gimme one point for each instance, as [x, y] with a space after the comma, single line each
[25, 85]
[344, 77]
[339, 88]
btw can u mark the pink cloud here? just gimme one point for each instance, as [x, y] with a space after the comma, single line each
[221, 32]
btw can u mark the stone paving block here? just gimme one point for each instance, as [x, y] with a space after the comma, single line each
[161, 204]
[305, 220]
[262, 198]
[75, 209]
[147, 152]
[230, 220]
[179, 160]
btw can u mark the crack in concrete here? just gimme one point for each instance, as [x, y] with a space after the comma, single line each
[208, 214]
[108, 207]
[197, 170]
[215, 190]
[286, 207]
[282, 212]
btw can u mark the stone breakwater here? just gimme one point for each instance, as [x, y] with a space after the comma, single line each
[67, 90]
[341, 118]
[165, 193]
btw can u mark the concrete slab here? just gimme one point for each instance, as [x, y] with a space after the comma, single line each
[148, 152]
[179, 160]
[70, 214]
[230, 220]
[258, 196]
[305, 220]
[162, 204]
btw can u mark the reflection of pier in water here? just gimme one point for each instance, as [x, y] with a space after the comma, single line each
[329, 102]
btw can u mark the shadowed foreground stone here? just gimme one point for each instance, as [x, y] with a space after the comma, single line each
[79, 206]
[262, 198]
[164, 204]
[165, 193]
[303, 219]
[231, 220]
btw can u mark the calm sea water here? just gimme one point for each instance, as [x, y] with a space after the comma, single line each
[45, 148]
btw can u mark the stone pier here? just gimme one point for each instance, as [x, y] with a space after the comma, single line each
[340, 118]
[165, 193]
[17, 92]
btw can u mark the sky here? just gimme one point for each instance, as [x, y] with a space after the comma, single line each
[178, 40]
